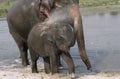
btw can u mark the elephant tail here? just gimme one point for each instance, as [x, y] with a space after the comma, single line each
[81, 44]
[80, 38]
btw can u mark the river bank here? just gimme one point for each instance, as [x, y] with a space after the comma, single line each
[99, 9]
[26, 74]
[90, 10]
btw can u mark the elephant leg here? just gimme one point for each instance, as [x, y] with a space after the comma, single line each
[22, 45]
[60, 66]
[68, 59]
[47, 64]
[34, 58]
[53, 63]
[23, 53]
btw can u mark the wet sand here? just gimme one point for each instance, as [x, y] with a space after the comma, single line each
[18, 72]
[25, 73]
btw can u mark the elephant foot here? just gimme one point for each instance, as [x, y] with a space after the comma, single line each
[35, 71]
[89, 69]
[60, 66]
[25, 63]
[49, 73]
[72, 75]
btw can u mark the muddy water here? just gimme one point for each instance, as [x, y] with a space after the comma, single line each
[102, 41]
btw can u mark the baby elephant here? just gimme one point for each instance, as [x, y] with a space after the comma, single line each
[46, 40]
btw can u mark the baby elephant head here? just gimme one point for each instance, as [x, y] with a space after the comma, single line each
[65, 37]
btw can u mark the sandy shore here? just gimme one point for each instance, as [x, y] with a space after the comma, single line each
[20, 74]
[25, 73]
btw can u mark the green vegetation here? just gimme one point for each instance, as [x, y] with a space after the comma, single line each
[6, 4]
[87, 3]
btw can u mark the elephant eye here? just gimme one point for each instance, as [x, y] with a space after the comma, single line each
[61, 37]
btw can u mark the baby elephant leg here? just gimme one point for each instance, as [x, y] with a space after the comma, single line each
[53, 64]
[68, 59]
[60, 66]
[47, 64]
[34, 58]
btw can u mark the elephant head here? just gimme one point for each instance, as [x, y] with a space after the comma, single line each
[62, 36]
[65, 37]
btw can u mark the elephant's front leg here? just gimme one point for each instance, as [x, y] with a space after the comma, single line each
[68, 59]
[53, 63]
[60, 66]
[34, 58]
[47, 64]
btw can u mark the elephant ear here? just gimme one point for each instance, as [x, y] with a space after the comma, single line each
[38, 4]
[46, 37]
[44, 7]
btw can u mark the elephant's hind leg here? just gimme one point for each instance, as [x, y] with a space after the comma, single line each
[22, 45]
[24, 54]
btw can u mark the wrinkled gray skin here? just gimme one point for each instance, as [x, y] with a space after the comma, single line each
[23, 16]
[70, 14]
[46, 40]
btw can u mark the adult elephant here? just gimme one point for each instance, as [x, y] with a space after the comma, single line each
[21, 18]
[24, 15]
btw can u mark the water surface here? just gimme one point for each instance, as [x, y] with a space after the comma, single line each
[102, 41]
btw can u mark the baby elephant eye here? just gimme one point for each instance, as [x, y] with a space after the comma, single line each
[62, 37]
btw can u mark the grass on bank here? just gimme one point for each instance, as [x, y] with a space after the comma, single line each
[87, 3]
[4, 7]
